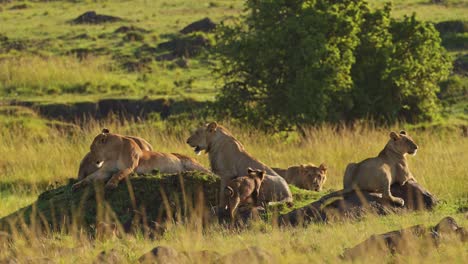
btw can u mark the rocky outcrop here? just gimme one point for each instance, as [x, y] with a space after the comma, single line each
[356, 204]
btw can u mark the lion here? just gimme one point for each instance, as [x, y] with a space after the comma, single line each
[242, 191]
[88, 166]
[306, 176]
[229, 159]
[379, 173]
[167, 163]
[120, 156]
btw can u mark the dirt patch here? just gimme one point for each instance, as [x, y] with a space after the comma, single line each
[91, 17]
[120, 109]
[203, 25]
[19, 7]
[133, 36]
[183, 47]
[452, 26]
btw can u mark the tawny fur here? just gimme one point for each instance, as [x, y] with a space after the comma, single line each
[379, 173]
[305, 176]
[88, 166]
[229, 159]
[243, 191]
[121, 156]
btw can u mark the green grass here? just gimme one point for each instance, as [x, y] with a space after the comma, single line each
[37, 60]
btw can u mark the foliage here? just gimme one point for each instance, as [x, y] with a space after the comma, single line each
[305, 62]
[398, 67]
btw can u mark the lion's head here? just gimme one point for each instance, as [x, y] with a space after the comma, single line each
[309, 177]
[100, 146]
[202, 136]
[402, 143]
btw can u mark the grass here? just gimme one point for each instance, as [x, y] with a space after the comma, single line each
[26, 171]
[38, 53]
[38, 63]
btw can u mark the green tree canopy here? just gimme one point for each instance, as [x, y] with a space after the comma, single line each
[291, 62]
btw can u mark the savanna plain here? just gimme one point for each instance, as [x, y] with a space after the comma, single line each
[42, 63]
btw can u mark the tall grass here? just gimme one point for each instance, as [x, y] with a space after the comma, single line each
[29, 159]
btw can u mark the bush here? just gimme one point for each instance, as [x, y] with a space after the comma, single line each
[290, 63]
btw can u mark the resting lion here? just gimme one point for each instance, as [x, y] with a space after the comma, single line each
[243, 191]
[229, 159]
[379, 173]
[88, 166]
[121, 156]
[306, 176]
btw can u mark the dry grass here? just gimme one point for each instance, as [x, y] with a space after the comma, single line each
[29, 159]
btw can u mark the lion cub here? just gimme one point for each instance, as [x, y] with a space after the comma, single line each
[306, 176]
[379, 173]
[243, 191]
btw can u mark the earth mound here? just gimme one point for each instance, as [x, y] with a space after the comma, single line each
[91, 17]
[356, 204]
[139, 202]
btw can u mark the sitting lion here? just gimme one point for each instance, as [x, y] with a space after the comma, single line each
[88, 166]
[229, 159]
[242, 191]
[307, 176]
[121, 156]
[379, 173]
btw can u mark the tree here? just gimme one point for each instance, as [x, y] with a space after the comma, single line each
[294, 62]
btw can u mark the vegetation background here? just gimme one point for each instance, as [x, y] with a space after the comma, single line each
[48, 63]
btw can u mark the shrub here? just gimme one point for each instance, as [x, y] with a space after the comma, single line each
[290, 63]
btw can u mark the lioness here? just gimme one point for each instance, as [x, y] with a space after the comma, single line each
[88, 166]
[243, 190]
[306, 176]
[121, 156]
[379, 173]
[229, 159]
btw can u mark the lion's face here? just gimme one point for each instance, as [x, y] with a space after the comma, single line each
[199, 139]
[402, 143]
[314, 177]
[100, 146]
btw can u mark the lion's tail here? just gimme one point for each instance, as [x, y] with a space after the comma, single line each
[191, 164]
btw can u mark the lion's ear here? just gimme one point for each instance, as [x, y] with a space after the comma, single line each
[402, 132]
[105, 131]
[229, 191]
[103, 138]
[250, 170]
[394, 135]
[261, 175]
[323, 168]
[258, 184]
[212, 126]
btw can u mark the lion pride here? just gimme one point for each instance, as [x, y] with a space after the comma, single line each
[229, 159]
